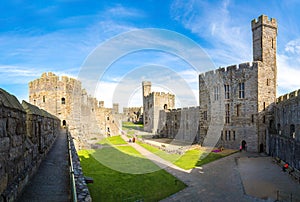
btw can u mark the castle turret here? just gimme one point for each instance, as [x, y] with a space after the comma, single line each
[146, 88]
[264, 32]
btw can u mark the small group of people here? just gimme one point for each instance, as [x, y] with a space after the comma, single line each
[243, 148]
[132, 140]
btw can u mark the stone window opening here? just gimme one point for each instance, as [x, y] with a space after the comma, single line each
[233, 135]
[205, 115]
[216, 93]
[241, 90]
[292, 131]
[44, 98]
[227, 92]
[107, 118]
[63, 101]
[264, 106]
[268, 82]
[238, 110]
[227, 115]
[222, 138]
[279, 128]
[226, 133]
[165, 106]
[64, 123]
[252, 118]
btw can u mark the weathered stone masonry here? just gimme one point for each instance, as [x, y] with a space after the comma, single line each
[284, 129]
[26, 135]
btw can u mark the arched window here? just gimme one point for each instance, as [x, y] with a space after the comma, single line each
[64, 123]
[165, 106]
[63, 101]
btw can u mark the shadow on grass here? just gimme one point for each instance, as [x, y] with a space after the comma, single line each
[113, 185]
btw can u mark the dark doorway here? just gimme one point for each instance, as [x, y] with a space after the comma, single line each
[261, 148]
[64, 123]
[244, 145]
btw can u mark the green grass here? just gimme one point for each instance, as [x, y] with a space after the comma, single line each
[112, 185]
[190, 159]
[162, 154]
[114, 140]
[130, 125]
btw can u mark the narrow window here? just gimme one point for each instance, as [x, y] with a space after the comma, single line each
[264, 105]
[292, 131]
[216, 93]
[233, 135]
[242, 90]
[268, 83]
[205, 115]
[222, 135]
[264, 119]
[226, 133]
[107, 118]
[63, 101]
[44, 98]
[252, 118]
[229, 136]
[165, 106]
[227, 115]
[238, 110]
[226, 88]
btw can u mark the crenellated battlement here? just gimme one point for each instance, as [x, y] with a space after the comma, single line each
[185, 109]
[263, 20]
[237, 68]
[288, 96]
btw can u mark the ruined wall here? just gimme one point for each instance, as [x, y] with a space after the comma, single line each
[180, 124]
[26, 135]
[82, 113]
[153, 103]
[133, 114]
[284, 129]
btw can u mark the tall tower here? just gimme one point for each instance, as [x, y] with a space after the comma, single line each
[146, 88]
[264, 32]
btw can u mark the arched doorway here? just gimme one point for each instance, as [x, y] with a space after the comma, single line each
[244, 145]
[261, 148]
[64, 123]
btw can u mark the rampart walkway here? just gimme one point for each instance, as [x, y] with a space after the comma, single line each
[51, 182]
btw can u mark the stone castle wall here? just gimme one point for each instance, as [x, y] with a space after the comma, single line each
[133, 114]
[180, 124]
[284, 129]
[223, 102]
[26, 135]
[86, 118]
[153, 102]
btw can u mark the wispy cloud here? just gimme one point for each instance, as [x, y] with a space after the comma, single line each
[228, 40]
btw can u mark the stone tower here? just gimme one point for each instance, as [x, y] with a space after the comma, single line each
[264, 32]
[146, 88]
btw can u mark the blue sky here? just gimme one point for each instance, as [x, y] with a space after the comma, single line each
[58, 36]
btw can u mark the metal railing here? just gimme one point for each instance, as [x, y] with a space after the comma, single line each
[72, 177]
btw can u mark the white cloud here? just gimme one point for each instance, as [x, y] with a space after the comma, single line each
[229, 39]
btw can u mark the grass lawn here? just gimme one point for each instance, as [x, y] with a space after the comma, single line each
[114, 140]
[130, 125]
[190, 159]
[121, 173]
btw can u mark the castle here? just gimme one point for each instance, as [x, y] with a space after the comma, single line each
[236, 97]
[86, 118]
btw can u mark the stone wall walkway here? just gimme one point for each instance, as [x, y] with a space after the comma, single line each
[51, 182]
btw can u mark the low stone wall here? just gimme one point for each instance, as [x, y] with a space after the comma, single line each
[26, 135]
[82, 192]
